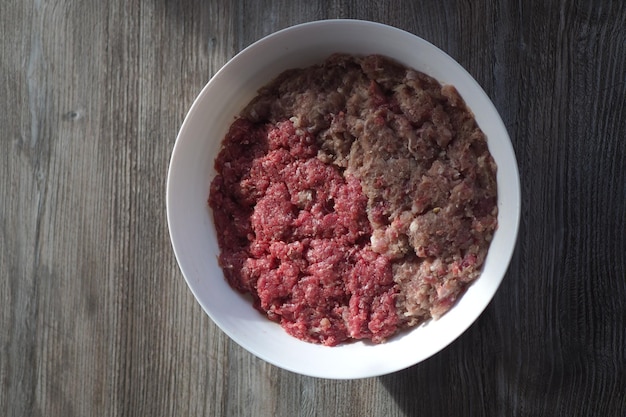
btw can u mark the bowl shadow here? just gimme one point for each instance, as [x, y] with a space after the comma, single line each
[453, 382]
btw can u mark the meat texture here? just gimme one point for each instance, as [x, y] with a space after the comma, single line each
[353, 199]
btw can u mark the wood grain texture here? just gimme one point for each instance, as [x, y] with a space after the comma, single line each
[95, 317]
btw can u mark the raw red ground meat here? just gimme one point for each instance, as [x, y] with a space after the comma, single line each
[294, 233]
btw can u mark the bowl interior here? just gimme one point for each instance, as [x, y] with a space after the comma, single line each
[191, 171]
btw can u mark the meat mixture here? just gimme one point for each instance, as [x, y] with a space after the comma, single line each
[353, 199]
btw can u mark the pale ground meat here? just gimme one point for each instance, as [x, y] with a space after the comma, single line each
[353, 199]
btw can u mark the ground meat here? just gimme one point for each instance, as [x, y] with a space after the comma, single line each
[353, 199]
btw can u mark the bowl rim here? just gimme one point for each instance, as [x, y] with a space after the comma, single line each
[193, 111]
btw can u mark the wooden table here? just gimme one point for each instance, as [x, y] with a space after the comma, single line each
[95, 317]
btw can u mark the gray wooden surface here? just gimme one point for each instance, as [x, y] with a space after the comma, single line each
[95, 317]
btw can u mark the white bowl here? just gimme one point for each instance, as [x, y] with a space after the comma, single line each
[191, 223]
